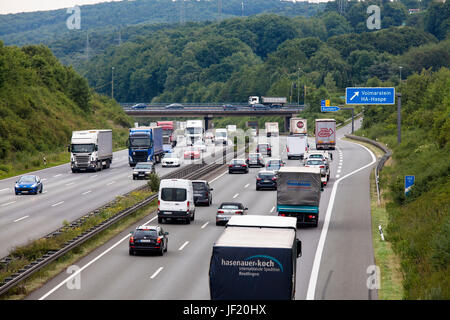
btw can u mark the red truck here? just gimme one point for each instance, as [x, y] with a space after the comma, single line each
[325, 134]
[168, 132]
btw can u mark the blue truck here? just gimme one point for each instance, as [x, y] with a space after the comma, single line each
[145, 144]
[298, 194]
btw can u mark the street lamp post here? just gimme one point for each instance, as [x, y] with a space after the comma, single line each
[112, 82]
[400, 73]
[298, 87]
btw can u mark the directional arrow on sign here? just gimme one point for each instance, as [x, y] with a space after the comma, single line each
[355, 95]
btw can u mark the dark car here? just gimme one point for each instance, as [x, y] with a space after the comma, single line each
[148, 238]
[227, 210]
[229, 107]
[142, 170]
[274, 164]
[276, 106]
[175, 106]
[259, 106]
[202, 192]
[255, 159]
[237, 165]
[266, 180]
[29, 184]
[139, 106]
[264, 148]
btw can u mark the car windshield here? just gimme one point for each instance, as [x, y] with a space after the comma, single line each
[230, 206]
[199, 186]
[167, 132]
[143, 166]
[238, 162]
[140, 142]
[221, 134]
[274, 162]
[253, 156]
[316, 156]
[314, 162]
[27, 179]
[194, 130]
[83, 148]
[145, 233]
[266, 175]
[173, 194]
[262, 146]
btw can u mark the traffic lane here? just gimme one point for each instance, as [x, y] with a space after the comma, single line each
[349, 156]
[199, 252]
[31, 217]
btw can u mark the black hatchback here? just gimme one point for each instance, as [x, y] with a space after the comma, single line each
[148, 239]
[237, 165]
[266, 180]
[202, 192]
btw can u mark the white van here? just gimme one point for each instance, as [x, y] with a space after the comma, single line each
[296, 146]
[176, 200]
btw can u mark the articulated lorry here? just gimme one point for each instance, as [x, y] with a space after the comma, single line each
[325, 134]
[255, 258]
[298, 126]
[145, 144]
[169, 136]
[90, 150]
[272, 129]
[194, 131]
[298, 194]
[267, 101]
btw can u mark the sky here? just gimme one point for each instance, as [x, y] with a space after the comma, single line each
[16, 6]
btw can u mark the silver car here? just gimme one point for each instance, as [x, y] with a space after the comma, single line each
[227, 210]
[142, 170]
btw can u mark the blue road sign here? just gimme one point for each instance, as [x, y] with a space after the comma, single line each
[322, 103]
[329, 109]
[369, 96]
[409, 182]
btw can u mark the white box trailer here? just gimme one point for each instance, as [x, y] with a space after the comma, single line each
[272, 129]
[296, 146]
[325, 134]
[91, 150]
[298, 126]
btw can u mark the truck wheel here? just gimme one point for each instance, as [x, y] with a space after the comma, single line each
[108, 164]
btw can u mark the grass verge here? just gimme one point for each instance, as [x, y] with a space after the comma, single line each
[385, 258]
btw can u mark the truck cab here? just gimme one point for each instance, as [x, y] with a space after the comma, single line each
[145, 144]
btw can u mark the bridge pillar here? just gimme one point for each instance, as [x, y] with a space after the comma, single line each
[208, 122]
[287, 122]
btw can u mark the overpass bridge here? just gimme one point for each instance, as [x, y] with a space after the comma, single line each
[209, 111]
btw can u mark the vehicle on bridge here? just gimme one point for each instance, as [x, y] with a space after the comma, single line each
[267, 101]
[90, 150]
[139, 106]
[255, 258]
[145, 144]
[298, 194]
[175, 106]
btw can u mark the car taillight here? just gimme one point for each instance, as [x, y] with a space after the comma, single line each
[230, 166]
[159, 203]
[244, 165]
[322, 167]
[158, 240]
[307, 166]
[274, 178]
[287, 148]
[239, 212]
[258, 179]
[188, 205]
[131, 240]
[220, 211]
[268, 149]
[311, 217]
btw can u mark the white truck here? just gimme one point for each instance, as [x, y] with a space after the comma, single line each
[231, 128]
[267, 101]
[194, 131]
[272, 129]
[325, 134]
[221, 136]
[296, 146]
[298, 126]
[90, 150]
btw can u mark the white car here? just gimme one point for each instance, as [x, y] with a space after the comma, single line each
[170, 160]
[200, 145]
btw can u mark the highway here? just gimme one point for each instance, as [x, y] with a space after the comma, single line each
[66, 197]
[335, 258]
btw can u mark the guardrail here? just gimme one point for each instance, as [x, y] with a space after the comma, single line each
[192, 172]
[381, 162]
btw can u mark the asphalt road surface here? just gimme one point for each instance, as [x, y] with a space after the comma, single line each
[334, 264]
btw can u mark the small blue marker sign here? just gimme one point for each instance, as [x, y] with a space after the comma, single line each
[409, 182]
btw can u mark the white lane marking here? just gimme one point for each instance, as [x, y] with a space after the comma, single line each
[156, 273]
[150, 220]
[206, 223]
[60, 174]
[273, 208]
[246, 185]
[44, 191]
[184, 245]
[21, 218]
[94, 176]
[339, 171]
[236, 195]
[337, 176]
[108, 184]
[70, 183]
[8, 203]
[84, 267]
[43, 179]
[86, 192]
[221, 175]
[4, 189]
[57, 204]
[323, 235]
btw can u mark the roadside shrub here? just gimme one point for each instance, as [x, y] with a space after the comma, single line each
[153, 183]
